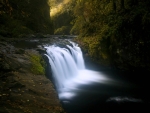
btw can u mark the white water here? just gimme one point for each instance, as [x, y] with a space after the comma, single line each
[72, 79]
[68, 70]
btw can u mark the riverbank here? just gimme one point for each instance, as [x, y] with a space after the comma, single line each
[21, 90]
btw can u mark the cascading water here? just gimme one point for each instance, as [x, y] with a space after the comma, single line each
[68, 68]
[64, 64]
[74, 83]
[77, 55]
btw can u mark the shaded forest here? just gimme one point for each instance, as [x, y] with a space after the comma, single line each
[114, 36]
[19, 17]
[112, 32]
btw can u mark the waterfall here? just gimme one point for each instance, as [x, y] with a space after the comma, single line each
[77, 55]
[74, 83]
[65, 63]
[68, 69]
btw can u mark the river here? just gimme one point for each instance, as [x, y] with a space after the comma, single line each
[84, 87]
[87, 89]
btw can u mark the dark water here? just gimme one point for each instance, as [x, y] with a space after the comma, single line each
[130, 93]
[30, 43]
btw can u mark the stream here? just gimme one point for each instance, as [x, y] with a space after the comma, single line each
[83, 87]
[85, 90]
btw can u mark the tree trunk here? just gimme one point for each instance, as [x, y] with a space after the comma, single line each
[122, 4]
[114, 5]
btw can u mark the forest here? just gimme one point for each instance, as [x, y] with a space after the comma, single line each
[113, 33]
[19, 17]
[74, 56]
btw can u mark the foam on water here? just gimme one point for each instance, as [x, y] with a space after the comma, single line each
[68, 69]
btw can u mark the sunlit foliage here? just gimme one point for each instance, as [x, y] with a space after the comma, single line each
[57, 6]
[115, 31]
[61, 14]
[112, 32]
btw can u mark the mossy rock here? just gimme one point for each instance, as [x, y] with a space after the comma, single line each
[38, 64]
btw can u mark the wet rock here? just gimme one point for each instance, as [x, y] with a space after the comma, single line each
[20, 89]
[5, 67]
[20, 51]
[40, 35]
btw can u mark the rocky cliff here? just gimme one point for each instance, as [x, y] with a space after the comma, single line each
[24, 88]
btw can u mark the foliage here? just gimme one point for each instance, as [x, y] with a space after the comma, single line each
[61, 31]
[62, 15]
[112, 32]
[38, 64]
[24, 17]
[115, 31]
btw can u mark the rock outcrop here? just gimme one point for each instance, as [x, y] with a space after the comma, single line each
[22, 91]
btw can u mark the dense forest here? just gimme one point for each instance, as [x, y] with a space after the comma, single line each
[111, 32]
[24, 17]
[36, 76]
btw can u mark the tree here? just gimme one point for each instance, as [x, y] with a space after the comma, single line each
[114, 31]
[25, 17]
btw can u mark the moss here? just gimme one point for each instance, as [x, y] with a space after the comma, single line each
[62, 30]
[38, 64]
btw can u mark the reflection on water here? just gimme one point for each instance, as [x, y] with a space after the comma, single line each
[123, 99]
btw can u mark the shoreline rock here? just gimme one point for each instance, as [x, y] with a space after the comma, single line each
[20, 89]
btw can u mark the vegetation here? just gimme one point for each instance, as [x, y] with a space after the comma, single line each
[112, 32]
[62, 16]
[24, 17]
[115, 31]
[38, 64]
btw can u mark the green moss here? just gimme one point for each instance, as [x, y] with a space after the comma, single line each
[38, 64]
[62, 30]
